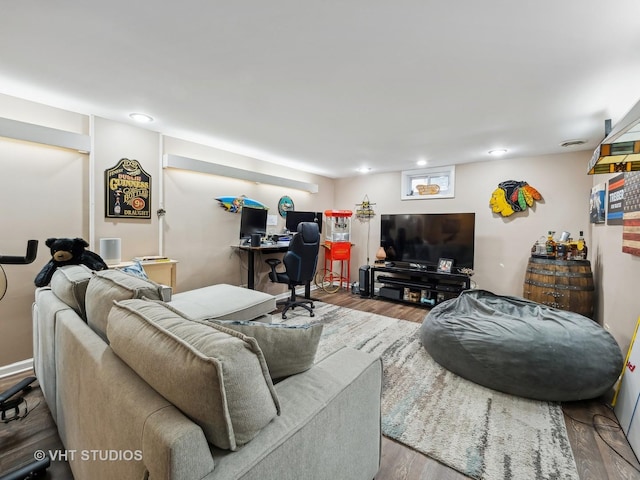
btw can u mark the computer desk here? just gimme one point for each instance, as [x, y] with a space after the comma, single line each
[275, 248]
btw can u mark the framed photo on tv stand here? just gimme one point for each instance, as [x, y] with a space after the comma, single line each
[444, 265]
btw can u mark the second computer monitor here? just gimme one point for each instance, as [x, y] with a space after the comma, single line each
[295, 217]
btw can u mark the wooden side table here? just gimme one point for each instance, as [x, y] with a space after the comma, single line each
[160, 271]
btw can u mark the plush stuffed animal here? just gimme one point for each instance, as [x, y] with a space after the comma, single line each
[68, 251]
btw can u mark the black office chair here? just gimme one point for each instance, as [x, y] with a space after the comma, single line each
[300, 265]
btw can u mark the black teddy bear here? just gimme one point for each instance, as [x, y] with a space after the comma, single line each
[68, 251]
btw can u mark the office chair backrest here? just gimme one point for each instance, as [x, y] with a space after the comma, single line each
[301, 258]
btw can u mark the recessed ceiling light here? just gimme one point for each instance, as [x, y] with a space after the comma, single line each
[364, 169]
[573, 143]
[141, 117]
[421, 163]
[498, 151]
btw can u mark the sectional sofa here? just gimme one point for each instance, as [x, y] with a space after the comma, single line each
[192, 388]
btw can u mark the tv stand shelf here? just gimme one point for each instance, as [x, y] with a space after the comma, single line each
[416, 285]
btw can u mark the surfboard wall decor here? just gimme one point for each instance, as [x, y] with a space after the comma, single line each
[234, 204]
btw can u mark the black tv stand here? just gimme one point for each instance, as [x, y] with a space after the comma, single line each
[416, 285]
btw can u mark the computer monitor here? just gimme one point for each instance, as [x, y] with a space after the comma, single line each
[253, 220]
[295, 217]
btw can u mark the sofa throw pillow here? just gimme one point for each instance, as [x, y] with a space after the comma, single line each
[69, 283]
[287, 349]
[215, 376]
[107, 286]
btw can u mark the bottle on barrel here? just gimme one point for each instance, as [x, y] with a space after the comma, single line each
[551, 245]
[572, 252]
[581, 248]
[561, 251]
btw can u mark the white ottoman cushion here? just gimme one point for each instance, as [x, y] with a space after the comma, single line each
[223, 302]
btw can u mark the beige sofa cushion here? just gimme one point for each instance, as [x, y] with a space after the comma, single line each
[107, 286]
[287, 349]
[216, 376]
[69, 284]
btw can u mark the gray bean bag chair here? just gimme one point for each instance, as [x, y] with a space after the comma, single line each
[522, 347]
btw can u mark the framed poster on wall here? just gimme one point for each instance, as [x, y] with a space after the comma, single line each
[128, 190]
[596, 203]
[615, 205]
[631, 214]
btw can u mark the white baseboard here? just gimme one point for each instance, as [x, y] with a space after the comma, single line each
[17, 367]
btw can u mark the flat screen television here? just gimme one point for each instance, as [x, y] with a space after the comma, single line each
[294, 217]
[425, 238]
[253, 220]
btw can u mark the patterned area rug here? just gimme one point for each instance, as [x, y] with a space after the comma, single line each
[477, 431]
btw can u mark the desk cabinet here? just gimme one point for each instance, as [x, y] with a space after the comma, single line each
[251, 251]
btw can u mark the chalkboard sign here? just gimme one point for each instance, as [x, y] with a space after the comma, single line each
[128, 189]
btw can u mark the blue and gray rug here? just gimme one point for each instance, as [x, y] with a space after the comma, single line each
[477, 431]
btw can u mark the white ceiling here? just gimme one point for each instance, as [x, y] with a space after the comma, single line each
[328, 86]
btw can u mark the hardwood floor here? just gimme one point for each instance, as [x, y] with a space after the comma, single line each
[600, 452]
[20, 439]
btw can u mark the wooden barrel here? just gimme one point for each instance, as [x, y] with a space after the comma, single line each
[563, 284]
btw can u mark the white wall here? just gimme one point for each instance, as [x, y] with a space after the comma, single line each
[503, 244]
[43, 195]
[200, 234]
[616, 278]
[112, 142]
[46, 193]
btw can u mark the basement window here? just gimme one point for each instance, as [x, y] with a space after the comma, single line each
[428, 183]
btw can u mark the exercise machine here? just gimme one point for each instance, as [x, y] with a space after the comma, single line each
[32, 251]
[11, 400]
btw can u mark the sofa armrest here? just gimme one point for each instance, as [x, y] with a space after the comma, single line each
[105, 406]
[329, 427]
[174, 447]
[45, 312]
[166, 293]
